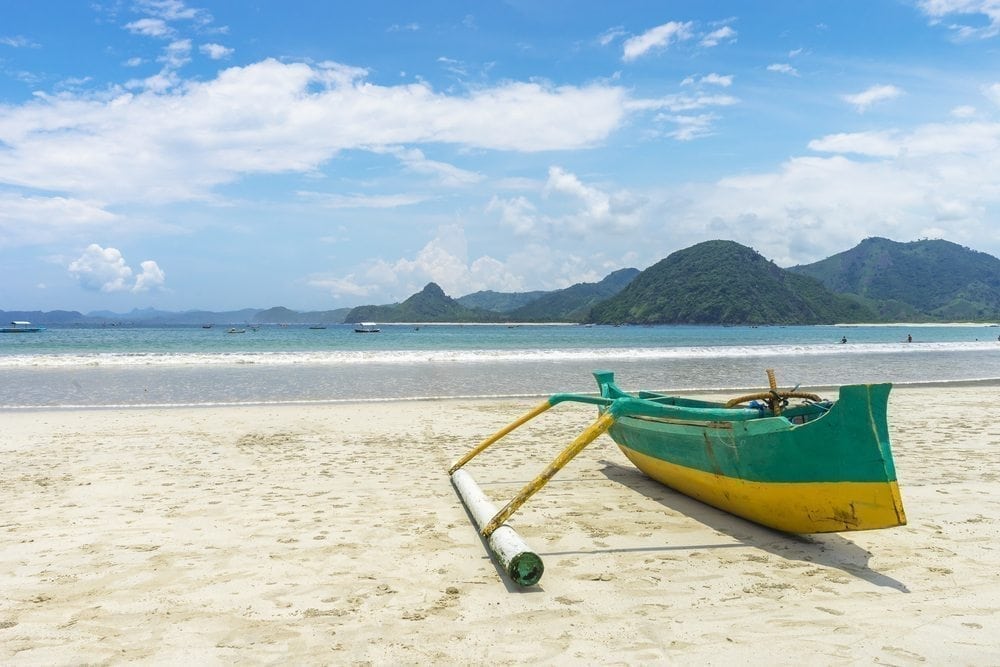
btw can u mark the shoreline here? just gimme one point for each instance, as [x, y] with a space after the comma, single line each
[335, 402]
[323, 534]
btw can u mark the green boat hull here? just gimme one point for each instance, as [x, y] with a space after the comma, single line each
[820, 467]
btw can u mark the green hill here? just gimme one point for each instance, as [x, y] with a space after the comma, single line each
[429, 305]
[723, 282]
[282, 315]
[573, 303]
[920, 280]
[499, 302]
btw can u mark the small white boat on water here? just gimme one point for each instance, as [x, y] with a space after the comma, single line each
[21, 326]
[235, 330]
[366, 327]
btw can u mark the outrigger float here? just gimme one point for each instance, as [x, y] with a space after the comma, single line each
[814, 467]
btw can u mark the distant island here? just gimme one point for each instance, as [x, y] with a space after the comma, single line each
[714, 282]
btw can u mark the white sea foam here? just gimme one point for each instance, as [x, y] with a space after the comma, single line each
[474, 356]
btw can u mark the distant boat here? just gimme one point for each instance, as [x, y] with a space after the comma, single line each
[235, 330]
[206, 326]
[318, 326]
[20, 326]
[366, 327]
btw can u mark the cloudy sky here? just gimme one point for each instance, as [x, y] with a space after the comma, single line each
[227, 154]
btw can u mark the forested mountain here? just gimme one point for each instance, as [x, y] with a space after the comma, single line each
[499, 302]
[282, 315]
[429, 305]
[573, 303]
[723, 282]
[930, 279]
[716, 282]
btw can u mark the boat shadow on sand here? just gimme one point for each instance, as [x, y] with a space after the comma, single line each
[827, 549]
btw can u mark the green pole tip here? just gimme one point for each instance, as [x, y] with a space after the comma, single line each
[526, 569]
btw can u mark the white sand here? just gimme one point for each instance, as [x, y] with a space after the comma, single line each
[331, 535]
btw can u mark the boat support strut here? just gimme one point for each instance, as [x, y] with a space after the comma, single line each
[522, 565]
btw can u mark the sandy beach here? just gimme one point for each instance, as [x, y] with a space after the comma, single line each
[330, 534]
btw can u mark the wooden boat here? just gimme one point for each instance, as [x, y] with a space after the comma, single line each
[366, 327]
[813, 467]
[20, 326]
[820, 466]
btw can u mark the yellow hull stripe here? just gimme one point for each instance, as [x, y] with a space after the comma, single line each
[806, 507]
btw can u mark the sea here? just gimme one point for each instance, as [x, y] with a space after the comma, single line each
[140, 366]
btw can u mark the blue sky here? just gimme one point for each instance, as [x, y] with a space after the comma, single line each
[228, 154]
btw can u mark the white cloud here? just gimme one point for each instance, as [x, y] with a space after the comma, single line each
[783, 68]
[215, 51]
[679, 103]
[18, 42]
[718, 79]
[273, 117]
[101, 269]
[517, 213]
[876, 144]
[105, 270]
[176, 54]
[964, 111]
[150, 28]
[335, 201]
[656, 38]
[934, 140]
[171, 10]
[879, 93]
[596, 202]
[443, 260]
[598, 210]
[161, 82]
[935, 176]
[447, 174]
[611, 35]
[992, 93]
[895, 183]
[690, 127]
[151, 277]
[30, 220]
[723, 34]
[348, 286]
[937, 10]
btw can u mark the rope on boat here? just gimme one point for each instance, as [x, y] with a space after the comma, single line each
[775, 399]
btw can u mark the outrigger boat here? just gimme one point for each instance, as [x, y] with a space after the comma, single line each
[813, 467]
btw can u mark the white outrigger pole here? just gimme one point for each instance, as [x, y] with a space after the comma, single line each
[522, 565]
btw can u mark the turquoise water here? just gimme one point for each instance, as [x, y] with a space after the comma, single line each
[116, 366]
